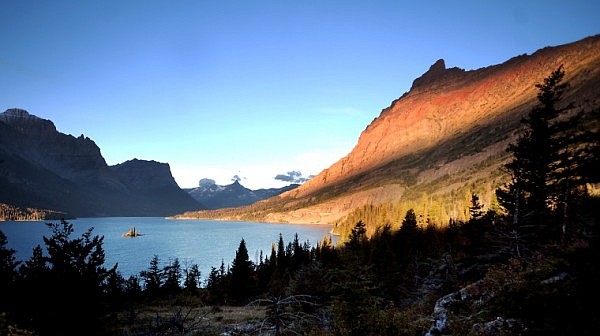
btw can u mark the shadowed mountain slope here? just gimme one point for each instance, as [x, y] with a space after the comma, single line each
[43, 168]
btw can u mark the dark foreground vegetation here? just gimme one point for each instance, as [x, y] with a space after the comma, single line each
[529, 269]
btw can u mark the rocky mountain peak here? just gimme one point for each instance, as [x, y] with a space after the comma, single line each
[215, 196]
[438, 67]
[437, 74]
[17, 113]
[23, 121]
[140, 173]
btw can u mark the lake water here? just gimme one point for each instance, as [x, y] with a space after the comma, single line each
[200, 242]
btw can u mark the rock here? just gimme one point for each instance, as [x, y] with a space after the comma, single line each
[499, 327]
[559, 277]
[473, 293]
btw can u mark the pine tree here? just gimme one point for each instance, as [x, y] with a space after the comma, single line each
[68, 284]
[409, 223]
[153, 277]
[476, 208]
[35, 266]
[8, 267]
[8, 263]
[133, 289]
[215, 283]
[192, 278]
[282, 258]
[172, 274]
[242, 283]
[534, 152]
[550, 161]
[357, 236]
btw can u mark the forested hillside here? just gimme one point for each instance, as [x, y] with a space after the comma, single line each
[11, 213]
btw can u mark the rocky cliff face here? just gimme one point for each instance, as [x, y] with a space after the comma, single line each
[40, 143]
[141, 174]
[448, 132]
[43, 168]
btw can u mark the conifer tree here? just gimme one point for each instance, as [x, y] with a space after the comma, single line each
[192, 278]
[35, 266]
[409, 223]
[404, 240]
[68, 283]
[133, 289]
[549, 161]
[215, 283]
[281, 255]
[172, 274]
[8, 266]
[213, 278]
[153, 276]
[242, 283]
[115, 285]
[357, 236]
[534, 151]
[476, 208]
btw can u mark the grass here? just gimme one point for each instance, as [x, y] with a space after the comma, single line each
[170, 317]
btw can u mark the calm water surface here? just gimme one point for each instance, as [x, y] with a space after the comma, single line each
[202, 242]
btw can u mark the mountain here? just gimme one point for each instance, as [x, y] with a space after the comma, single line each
[43, 168]
[441, 141]
[214, 196]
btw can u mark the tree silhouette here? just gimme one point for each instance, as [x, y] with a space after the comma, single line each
[8, 267]
[409, 223]
[153, 277]
[192, 278]
[552, 161]
[65, 288]
[357, 236]
[476, 208]
[242, 283]
[172, 274]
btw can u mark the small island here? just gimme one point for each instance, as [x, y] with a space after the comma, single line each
[131, 233]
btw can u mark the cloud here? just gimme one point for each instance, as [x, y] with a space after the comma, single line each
[206, 182]
[236, 178]
[292, 177]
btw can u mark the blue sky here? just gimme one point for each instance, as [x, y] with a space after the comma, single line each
[250, 88]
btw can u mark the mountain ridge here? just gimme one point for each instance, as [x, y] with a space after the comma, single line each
[214, 196]
[46, 169]
[448, 132]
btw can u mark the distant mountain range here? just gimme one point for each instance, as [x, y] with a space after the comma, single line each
[45, 169]
[214, 196]
[437, 144]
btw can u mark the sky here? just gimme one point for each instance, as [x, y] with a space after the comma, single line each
[250, 89]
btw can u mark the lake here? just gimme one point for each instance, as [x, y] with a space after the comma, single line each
[201, 242]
